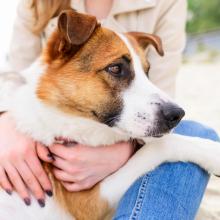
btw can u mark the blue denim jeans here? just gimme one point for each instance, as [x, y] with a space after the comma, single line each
[173, 191]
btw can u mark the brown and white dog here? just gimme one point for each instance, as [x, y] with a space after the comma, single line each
[90, 85]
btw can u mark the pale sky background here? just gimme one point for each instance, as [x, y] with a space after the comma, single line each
[7, 14]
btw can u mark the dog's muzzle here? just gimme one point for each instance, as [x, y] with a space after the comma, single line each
[172, 114]
[168, 116]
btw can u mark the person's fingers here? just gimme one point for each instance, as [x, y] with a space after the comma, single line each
[63, 176]
[44, 153]
[4, 182]
[18, 184]
[36, 167]
[31, 182]
[62, 151]
[64, 165]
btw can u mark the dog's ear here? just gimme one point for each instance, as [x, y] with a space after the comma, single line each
[75, 27]
[144, 40]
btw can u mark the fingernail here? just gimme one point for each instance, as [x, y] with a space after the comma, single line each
[27, 201]
[8, 191]
[41, 202]
[50, 156]
[49, 193]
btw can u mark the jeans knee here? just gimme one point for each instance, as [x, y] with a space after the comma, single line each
[196, 129]
[212, 134]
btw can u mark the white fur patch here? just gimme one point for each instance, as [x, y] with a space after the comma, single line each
[141, 100]
[11, 82]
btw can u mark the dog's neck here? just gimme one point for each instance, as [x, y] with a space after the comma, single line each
[44, 123]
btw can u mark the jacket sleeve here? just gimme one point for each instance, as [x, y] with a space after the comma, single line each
[25, 46]
[171, 28]
[10, 82]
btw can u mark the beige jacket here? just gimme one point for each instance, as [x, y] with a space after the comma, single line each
[165, 18]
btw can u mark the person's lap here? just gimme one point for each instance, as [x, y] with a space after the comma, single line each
[172, 191]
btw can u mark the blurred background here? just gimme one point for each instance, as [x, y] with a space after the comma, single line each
[203, 30]
[198, 82]
[7, 14]
[199, 77]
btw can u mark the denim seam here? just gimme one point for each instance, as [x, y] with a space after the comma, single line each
[140, 197]
[139, 202]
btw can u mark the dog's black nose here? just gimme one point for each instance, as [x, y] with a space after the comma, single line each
[172, 114]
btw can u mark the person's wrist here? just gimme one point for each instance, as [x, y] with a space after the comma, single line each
[128, 148]
[123, 151]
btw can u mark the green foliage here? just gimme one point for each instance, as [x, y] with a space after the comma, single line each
[204, 15]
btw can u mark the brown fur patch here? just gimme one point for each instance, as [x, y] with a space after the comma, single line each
[82, 205]
[78, 84]
[144, 40]
[140, 42]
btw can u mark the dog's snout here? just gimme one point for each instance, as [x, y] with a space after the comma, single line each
[172, 114]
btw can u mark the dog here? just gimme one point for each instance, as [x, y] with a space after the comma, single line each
[90, 85]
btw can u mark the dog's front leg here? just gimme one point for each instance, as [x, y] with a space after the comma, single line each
[203, 152]
[171, 148]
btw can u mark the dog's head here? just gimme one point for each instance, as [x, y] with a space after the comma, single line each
[98, 74]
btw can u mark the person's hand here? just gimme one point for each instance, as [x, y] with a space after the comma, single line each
[20, 167]
[80, 167]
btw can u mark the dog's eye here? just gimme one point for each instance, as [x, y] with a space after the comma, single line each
[114, 70]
